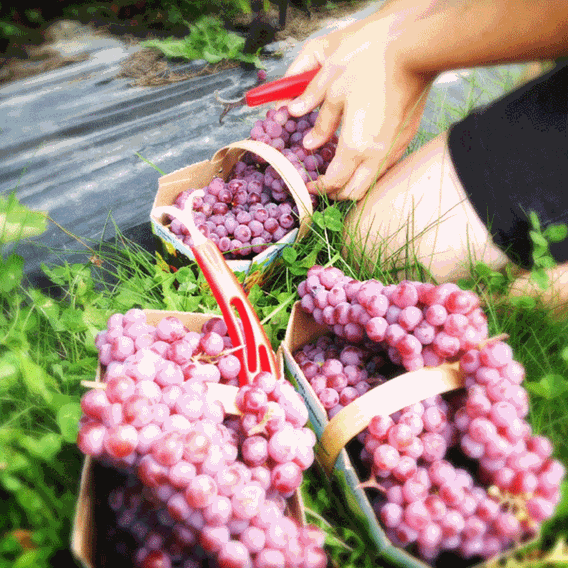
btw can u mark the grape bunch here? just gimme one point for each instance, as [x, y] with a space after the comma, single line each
[224, 480]
[459, 474]
[419, 324]
[143, 532]
[253, 209]
[286, 133]
[494, 432]
[340, 372]
[242, 216]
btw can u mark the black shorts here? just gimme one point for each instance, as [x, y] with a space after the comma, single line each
[512, 158]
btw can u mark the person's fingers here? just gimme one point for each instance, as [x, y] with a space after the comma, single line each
[327, 122]
[317, 187]
[365, 177]
[339, 171]
[317, 90]
[311, 56]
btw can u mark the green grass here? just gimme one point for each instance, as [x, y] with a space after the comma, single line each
[47, 349]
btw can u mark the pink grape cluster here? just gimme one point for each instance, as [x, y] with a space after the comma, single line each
[340, 372]
[242, 216]
[513, 483]
[253, 209]
[143, 530]
[286, 133]
[456, 475]
[419, 324]
[426, 501]
[167, 354]
[224, 479]
[493, 431]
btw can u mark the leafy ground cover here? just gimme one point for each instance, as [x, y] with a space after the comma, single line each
[47, 349]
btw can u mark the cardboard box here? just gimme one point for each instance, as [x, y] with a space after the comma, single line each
[176, 253]
[84, 530]
[387, 398]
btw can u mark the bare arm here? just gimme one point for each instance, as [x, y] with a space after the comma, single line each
[467, 33]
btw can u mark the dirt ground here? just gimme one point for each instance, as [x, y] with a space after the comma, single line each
[147, 67]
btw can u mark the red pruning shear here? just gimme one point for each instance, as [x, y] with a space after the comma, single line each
[256, 354]
[284, 88]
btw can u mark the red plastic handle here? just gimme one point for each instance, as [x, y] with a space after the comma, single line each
[257, 354]
[285, 88]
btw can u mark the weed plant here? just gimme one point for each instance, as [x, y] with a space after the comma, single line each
[47, 349]
[207, 39]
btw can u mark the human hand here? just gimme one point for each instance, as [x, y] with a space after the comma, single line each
[363, 86]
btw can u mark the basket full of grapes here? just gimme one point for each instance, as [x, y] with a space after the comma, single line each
[198, 469]
[421, 418]
[255, 199]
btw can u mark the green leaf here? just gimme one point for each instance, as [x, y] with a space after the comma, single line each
[211, 57]
[535, 223]
[73, 320]
[9, 370]
[11, 273]
[68, 420]
[10, 483]
[466, 284]
[46, 447]
[297, 270]
[47, 307]
[207, 39]
[9, 545]
[16, 461]
[9, 29]
[186, 280]
[540, 277]
[497, 280]
[310, 259]
[289, 255]
[235, 42]
[545, 262]
[523, 302]
[192, 303]
[57, 274]
[318, 219]
[18, 221]
[333, 219]
[29, 559]
[35, 378]
[556, 233]
[549, 387]
[481, 269]
[538, 239]
[255, 294]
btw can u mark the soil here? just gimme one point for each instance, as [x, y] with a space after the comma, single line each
[147, 67]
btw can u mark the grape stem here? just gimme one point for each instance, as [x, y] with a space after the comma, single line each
[513, 503]
[494, 339]
[371, 483]
[210, 358]
[93, 385]
[260, 427]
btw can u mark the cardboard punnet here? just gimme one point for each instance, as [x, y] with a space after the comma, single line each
[221, 164]
[334, 434]
[83, 531]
